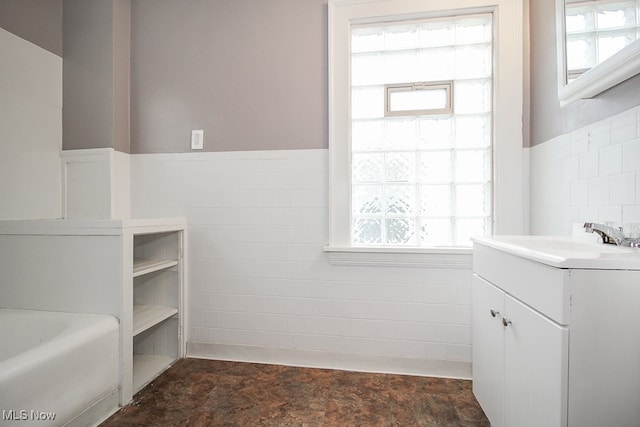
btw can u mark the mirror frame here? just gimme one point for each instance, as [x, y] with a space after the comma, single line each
[615, 69]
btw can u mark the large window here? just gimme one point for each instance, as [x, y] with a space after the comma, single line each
[421, 130]
[425, 127]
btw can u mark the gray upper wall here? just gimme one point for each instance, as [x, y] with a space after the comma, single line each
[251, 73]
[547, 118]
[38, 21]
[96, 66]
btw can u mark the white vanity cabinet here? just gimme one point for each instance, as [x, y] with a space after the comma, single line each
[519, 360]
[535, 358]
[554, 346]
[488, 349]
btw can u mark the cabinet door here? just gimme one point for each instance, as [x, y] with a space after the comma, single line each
[536, 368]
[488, 349]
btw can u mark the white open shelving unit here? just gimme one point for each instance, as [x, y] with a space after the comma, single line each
[157, 306]
[133, 269]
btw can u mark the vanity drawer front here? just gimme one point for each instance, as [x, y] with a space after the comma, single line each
[540, 286]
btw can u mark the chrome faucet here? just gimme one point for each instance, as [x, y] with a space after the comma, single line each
[611, 235]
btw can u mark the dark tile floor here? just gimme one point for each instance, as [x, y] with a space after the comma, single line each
[196, 392]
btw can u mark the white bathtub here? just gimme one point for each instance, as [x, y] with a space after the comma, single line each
[63, 364]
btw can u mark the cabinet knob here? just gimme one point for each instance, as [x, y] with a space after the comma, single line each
[506, 322]
[494, 312]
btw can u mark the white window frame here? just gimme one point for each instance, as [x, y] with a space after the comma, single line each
[509, 166]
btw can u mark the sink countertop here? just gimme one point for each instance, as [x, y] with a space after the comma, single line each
[566, 251]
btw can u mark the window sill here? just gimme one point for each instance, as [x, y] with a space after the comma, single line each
[455, 258]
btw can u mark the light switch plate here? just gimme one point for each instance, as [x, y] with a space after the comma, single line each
[197, 139]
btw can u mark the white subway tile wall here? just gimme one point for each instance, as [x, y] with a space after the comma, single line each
[258, 276]
[591, 174]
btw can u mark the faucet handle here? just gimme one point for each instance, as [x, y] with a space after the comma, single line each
[612, 224]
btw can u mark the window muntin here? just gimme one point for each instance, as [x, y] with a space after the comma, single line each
[421, 179]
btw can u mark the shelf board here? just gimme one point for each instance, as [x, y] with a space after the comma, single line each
[146, 367]
[146, 266]
[146, 316]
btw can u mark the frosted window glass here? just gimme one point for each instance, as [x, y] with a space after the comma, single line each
[580, 53]
[400, 167]
[367, 199]
[400, 133]
[436, 64]
[401, 37]
[401, 231]
[579, 19]
[421, 176]
[367, 69]
[471, 166]
[367, 231]
[608, 46]
[472, 96]
[439, 33]
[617, 15]
[471, 200]
[400, 199]
[473, 30]
[366, 135]
[473, 61]
[367, 167]
[367, 102]
[401, 67]
[435, 166]
[473, 131]
[435, 200]
[367, 39]
[435, 133]
[436, 232]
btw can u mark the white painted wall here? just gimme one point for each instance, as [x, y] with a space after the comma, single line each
[591, 174]
[258, 278]
[30, 130]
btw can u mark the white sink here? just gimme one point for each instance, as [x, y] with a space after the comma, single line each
[566, 252]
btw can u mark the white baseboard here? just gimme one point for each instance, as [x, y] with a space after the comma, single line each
[96, 413]
[327, 360]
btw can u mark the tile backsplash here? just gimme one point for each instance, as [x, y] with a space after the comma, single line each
[591, 174]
